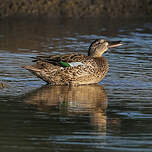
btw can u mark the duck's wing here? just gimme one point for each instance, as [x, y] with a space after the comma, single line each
[62, 60]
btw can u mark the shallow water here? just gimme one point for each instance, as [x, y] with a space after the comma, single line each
[114, 115]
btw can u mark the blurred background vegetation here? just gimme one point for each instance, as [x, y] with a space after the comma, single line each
[76, 8]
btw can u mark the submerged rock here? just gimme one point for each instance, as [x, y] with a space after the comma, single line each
[3, 85]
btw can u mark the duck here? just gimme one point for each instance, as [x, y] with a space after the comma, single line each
[75, 68]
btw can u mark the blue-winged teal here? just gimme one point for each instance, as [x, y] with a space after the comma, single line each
[74, 69]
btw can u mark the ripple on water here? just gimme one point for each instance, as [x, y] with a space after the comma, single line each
[76, 119]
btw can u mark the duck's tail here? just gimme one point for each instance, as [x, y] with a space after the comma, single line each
[31, 68]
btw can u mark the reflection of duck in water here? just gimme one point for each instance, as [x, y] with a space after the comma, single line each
[75, 100]
[74, 68]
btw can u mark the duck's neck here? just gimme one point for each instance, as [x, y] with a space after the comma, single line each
[95, 53]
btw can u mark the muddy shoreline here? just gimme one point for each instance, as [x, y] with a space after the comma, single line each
[76, 8]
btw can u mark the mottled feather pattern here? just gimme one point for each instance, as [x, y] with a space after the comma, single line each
[93, 70]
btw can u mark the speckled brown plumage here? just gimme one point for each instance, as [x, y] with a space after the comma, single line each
[93, 70]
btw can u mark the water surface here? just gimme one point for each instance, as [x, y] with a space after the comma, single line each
[114, 115]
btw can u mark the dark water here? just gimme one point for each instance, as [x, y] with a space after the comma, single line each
[112, 116]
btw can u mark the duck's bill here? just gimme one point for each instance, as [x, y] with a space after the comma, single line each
[114, 44]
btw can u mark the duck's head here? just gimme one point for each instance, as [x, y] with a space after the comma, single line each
[99, 46]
